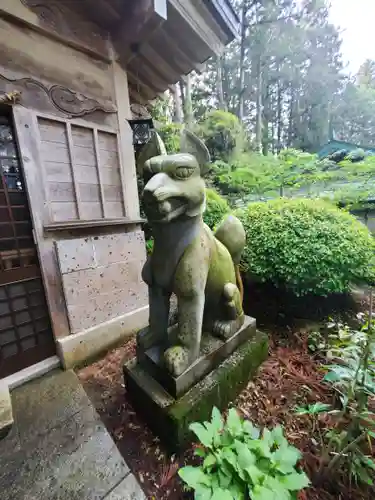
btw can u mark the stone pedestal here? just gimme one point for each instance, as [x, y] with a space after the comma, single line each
[169, 415]
[212, 352]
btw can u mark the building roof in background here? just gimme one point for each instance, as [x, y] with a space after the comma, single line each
[337, 145]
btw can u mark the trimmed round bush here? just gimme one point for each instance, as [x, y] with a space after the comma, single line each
[216, 208]
[306, 246]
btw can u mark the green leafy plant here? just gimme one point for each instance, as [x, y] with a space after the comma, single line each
[351, 374]
[306, 246]
[170, 134]
[149, 245]
[216, 208]
[240, 462]
[222, 133]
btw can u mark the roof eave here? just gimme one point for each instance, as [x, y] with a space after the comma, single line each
[226, 16]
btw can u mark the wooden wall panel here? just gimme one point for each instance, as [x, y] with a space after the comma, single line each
[28, 136]
[61, 212]
[82, 171]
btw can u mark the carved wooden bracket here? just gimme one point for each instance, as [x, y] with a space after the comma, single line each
[35, 94]
[10, 97]
[63, 18]
[139, 111]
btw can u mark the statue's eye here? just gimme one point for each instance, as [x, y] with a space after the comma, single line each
[184, 172]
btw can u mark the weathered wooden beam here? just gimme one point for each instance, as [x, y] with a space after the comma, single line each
[139, 21]
[147, 75]
[170, 50]
[160, 63]
[139, 88]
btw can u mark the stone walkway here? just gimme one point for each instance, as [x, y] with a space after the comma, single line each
[58, 448]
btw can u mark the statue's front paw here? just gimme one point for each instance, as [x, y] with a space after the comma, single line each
[176, 360]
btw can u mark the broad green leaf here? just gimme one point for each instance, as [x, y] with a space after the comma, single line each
[295, 481]
[204, 493]
[277, 436]
[214, 481]
[217, 420]
[238, 490]
[274, 484]
[230, 457]
[234, 424]
[205, 436]
[221, 494]
[244, 455]
[262, 493]
[209, 461]
[194, 477]
[285, 459]
[262, 447]
[256, 475]
[200, 452]
[250, 429]
[224, 479]
[267, 437]
[212, 431]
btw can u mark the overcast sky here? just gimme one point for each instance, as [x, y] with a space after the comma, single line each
[356, 18]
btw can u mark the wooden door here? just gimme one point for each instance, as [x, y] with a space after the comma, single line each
[25, 330]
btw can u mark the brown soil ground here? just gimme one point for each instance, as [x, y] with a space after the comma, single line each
[290, 377]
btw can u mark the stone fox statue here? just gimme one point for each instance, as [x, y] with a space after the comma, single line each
[188, 260]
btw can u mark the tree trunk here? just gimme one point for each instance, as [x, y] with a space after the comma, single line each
[241, 83]
[266, 119]
[290, 124]
[259, 107]
[219, 83]
[279, 113]
[177, 105]
[182, 93]
[188, 107]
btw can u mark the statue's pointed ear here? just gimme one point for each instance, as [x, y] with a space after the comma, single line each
[154, 147]
[191, 144]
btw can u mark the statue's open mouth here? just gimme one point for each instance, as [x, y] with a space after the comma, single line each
[166, 210]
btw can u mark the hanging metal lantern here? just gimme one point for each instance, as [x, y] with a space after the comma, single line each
[142, 131]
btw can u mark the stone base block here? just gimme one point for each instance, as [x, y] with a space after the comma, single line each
[213, 352]
[170, 418]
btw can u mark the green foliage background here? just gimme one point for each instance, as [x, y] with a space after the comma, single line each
[216, 208]
[222, 133]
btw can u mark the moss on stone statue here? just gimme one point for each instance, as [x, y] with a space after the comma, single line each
[171, 420]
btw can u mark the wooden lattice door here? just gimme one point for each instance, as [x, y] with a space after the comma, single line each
[25, 329]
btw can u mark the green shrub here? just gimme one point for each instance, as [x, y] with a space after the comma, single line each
[306, 246]
[171, 136]
[240, 462]
[216, 208]
[222, 133]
